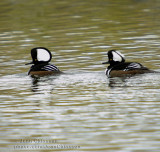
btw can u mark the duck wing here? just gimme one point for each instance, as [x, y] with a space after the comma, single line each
[50, 67]
[128, 66]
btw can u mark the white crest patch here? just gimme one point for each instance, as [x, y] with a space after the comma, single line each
[117, 56]
[42, 55]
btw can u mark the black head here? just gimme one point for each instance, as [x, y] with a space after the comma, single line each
[40, 55]
[114, 57]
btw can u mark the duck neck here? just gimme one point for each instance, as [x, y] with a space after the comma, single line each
[113, 63]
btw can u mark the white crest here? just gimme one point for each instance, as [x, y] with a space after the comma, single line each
[117, 56]
[42, 55]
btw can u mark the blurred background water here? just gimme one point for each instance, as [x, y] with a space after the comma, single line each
[81, 107]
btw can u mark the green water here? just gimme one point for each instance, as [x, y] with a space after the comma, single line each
[81, 107]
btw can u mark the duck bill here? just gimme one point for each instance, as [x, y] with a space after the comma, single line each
[29, 63]
[105, 62]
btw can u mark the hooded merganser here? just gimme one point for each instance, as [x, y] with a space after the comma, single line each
[40, 60]
[119, 68]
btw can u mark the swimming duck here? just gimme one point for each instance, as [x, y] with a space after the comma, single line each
[40, 59]
[119, 68]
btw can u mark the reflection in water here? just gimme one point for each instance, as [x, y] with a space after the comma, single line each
[117, 82]
[123, 81]
[35, 85]
[134, 81]
[42, 82]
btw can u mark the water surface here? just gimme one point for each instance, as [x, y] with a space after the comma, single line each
[81, 107]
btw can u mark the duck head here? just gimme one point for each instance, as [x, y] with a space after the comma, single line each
[40, 55]
[114, 57]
